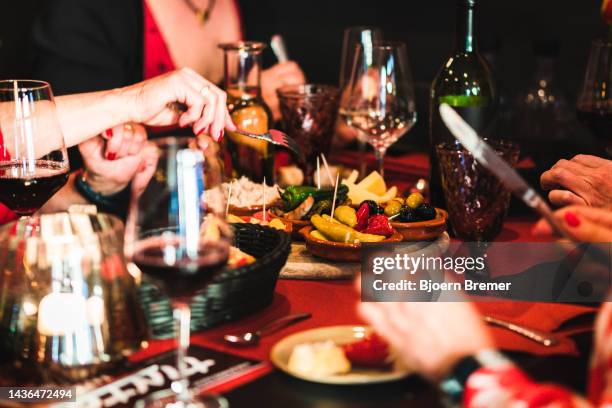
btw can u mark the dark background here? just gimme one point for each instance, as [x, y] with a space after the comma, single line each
[507, 31]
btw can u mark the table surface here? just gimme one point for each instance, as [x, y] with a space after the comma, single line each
[333, 303]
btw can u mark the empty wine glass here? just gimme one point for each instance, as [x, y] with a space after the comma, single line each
[363, 36]
[33, 157]
[175, 235]
[380, 96]
[595, 100]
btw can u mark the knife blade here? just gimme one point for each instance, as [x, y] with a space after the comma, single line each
[489, 159]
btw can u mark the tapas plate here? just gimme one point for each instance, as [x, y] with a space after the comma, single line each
[340, 335]
[338, 251]
[422, 230]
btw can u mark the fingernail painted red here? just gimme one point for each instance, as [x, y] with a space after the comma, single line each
[109, 133]
[220, 138]
[571, 219]
[111, 156]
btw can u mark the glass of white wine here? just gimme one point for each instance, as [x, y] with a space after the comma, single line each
[380, 103]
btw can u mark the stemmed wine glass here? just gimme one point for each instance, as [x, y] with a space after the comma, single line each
[175, 234]
[33, 157]
[595, 100]
[380, 100]
[364, 36]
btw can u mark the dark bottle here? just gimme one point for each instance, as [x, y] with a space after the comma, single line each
[465, 82]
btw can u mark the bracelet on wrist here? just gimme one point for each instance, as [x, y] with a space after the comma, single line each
[115, 203]
[453, 385]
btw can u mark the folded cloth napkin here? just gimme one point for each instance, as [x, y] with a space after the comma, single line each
[545, 317]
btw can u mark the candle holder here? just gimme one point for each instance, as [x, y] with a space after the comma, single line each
[68, 305]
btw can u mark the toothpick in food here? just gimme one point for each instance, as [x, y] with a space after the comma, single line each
[331, 179]
[335, 194]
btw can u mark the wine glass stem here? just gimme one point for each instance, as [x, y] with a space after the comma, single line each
[380, 159]
[363, 166]
[182, 314]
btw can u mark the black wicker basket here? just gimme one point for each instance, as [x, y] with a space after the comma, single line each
[233, 292]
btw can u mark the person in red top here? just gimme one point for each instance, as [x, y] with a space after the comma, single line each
[485, 378]
[83, 45]
[147, 103]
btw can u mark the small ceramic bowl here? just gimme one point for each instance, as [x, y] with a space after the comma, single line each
[296, 226]
[288, 225]
[245, 211]
[422, 230]
[338, 251]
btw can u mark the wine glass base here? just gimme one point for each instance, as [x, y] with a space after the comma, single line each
[169, 399]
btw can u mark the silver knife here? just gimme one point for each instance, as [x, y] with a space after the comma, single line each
[487, 157]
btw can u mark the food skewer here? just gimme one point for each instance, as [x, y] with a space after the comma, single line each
[264, 199]
[335, 194]
[229, 197]
[318, 174]
[331, 179]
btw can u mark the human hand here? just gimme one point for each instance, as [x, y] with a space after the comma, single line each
[429, 337]
[153, 103]
[585, 224]
[111, 161]
[281, 74]
[582, 180]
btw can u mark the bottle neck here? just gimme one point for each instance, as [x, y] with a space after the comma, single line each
[465, 34]
[243, 73]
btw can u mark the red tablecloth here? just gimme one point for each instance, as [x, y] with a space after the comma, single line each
[333, 302]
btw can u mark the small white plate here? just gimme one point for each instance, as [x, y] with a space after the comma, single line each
[340, 335]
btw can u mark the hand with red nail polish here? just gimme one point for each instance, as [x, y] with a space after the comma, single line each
[202, 104]
[582, 223]
[111, 163]
[571, 219]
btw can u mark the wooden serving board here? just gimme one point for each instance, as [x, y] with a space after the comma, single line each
[302, 265]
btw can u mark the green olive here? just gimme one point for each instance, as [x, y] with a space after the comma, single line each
[393, 207]
[414, 200]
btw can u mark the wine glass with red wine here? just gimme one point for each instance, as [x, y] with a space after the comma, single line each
[177, 236]
[595, 100]
[33, 157]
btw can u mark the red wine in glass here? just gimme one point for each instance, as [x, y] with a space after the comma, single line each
[25, 192]
[185, 277]
[33, 157]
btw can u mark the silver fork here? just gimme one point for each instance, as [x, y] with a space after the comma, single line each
[274, 136]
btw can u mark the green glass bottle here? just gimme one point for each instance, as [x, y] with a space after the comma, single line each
[466, 83]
